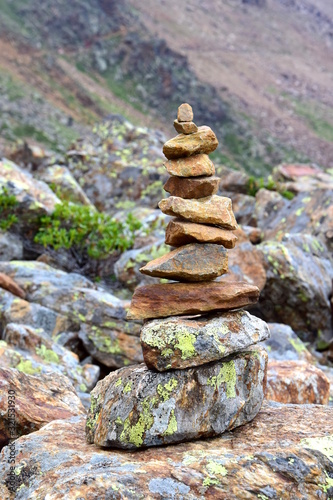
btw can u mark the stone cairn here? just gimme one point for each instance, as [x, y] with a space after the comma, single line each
[201, 376]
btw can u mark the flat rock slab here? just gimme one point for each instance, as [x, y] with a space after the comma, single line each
[180, 232]
[192, 187]
[211, 210]
[173, 299]
[285, 452]
[297, 382]
[203, 141]
[194, 262]
[178, 343]
[136, 407]
[185, 127]
[38, 400]
[193, 166]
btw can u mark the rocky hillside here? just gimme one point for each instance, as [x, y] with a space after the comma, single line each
[259, 72]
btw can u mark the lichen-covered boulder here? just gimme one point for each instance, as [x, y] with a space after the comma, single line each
[297, 382]
[286, 453]
[136, 407]
[284, 345]
[37, 401]
[179, 342]
[298, 286]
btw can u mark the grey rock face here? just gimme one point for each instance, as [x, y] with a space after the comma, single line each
[135, 407]
[284, 345]
[183, 342]
[11, 247]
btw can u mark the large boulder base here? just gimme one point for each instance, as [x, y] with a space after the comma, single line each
[284, 453]
[203, 141]
[180, 232]
[178, 342]
[135, 407]
[172, 299]
[194, 262]
[211, 210]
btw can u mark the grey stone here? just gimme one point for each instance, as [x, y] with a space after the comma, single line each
[11, 247]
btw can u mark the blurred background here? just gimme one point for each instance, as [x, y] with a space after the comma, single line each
[259, 72]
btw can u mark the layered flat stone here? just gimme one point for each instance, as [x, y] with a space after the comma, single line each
[203, 141]
[192, 187]
[211, 210]
[180, 232]
[178, 342]
[185, 113]
[173, 299]
[193, 166]
[185, 127]
[135, 407]
[194, 262]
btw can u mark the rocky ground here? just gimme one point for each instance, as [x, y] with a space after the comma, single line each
[75, 230]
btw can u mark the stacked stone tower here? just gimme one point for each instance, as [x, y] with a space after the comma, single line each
[201, 374]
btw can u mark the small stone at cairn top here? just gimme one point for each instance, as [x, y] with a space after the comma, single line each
[185, 113]
[209, 378]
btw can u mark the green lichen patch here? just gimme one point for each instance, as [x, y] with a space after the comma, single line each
[47, 355]
[134, 432]
[118, 383]
[227, 375]
[26, 367]
[164, 391]
[297, 345]
[323, 444]
[328, 485]
[216, 468]
[172, 425]
[127, 388]
[185, 343]
[91, 421]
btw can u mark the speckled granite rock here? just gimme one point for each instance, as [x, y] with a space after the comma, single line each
[180, 342]
[211, 210]
[297, 382]
[203, 141]
[194, 262]
[180, 232]
[286, 453]
[136, 407]
[38, 400]
[172, 299]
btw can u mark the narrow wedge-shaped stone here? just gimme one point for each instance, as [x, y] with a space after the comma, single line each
[185, 113]
[178, 342]
[203, 141]
[194, 262]
[180, 232]
[193, 166]
[192, 187]
[211, 210]
[135, 407]
[173, 299]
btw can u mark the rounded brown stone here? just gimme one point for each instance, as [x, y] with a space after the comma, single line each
[194, 166]
[185, 127]
[180, 232]
[185, 113]
[203, 141]
[214, 209]
[195, 262]
[197, 187]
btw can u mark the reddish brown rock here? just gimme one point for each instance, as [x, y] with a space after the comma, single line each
[297, 382]
[203, 141]
[9, 284]
[194, 262]
[193, 166]
[211, 210]
[247, 263]
[172, 299]
[180, 232]
[284, 452]
[185, 127]
[38, 400]
[197, 187]
[185, 113]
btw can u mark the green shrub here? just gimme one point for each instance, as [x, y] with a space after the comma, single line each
[79, 227]
[254, 184]
[7, 203]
